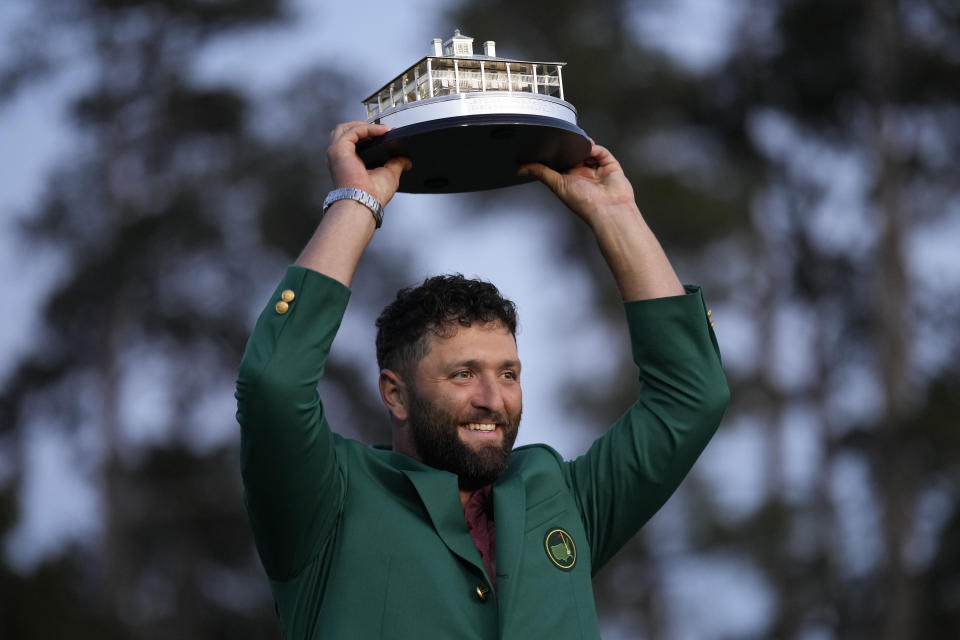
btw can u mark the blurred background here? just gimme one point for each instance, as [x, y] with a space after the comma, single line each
[163, 160]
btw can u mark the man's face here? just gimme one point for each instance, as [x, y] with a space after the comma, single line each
[465, 403]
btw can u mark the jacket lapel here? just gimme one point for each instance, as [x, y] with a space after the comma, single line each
[509, 516]
[440, 495]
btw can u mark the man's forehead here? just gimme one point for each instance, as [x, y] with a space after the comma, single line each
[454, 327]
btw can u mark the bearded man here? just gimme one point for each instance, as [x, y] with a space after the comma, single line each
[451, 532]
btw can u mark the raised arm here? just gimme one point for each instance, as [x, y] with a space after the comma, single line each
[598, 191]
[630, 471]
[347, 227]
[293, 483]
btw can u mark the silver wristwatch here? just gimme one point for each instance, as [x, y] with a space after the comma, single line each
[360, 196]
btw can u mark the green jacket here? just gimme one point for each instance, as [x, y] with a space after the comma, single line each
[360, 542]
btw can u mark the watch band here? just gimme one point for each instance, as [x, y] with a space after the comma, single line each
[361, 196]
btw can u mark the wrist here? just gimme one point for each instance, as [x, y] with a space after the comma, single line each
[615, 215]
[360, 196]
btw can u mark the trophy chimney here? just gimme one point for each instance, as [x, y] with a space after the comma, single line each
[437, 47]
[490, 49]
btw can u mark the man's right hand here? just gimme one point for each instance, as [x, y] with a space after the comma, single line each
[341, 238]
[348, 170]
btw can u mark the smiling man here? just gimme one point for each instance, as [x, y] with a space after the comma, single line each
[455, 398]
[451, 532]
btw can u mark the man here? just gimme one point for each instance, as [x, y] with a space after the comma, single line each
[449, 533]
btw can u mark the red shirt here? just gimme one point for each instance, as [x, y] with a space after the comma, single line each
[479, 514]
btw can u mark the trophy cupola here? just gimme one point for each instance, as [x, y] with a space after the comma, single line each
[459, 45]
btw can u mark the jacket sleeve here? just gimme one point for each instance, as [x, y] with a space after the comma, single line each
[293, 485]
[630, 471]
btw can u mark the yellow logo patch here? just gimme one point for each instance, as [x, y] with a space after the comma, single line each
[561, 549]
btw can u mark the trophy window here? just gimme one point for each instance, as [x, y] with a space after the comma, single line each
[470, 77]
[408, 86]
[443, 76]
[422, 81]
[521, 77]
[495, 76]
[548, 80]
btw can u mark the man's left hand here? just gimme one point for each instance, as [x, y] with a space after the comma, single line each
[591, 189]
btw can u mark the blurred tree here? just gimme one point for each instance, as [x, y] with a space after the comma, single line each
[177, 204]
[796, 175]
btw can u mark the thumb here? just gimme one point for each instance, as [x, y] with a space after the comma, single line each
[543, 173]
[387, 177]
[398, 165]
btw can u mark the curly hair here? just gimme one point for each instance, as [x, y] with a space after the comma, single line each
[435, 307]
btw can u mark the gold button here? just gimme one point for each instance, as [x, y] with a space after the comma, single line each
[712, 325]
[709, 312]
[482, 592]
[282, 307]
[288, 295]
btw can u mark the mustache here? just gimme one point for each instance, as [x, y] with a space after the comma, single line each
[485, 416]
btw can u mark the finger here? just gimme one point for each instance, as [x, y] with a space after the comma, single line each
[355, 131]
[398, 165]
[339, 130]
[602, 157]
[347, 135]
[534, 169]
[363, 130]
[544, 174]
[386, 179]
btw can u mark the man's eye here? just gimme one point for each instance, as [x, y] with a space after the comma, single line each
[510, 375]
[462, 374]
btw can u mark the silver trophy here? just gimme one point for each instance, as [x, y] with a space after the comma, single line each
[469, 121]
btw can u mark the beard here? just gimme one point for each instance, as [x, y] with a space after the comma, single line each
[435, 434]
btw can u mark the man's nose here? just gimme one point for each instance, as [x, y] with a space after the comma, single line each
[488, 395]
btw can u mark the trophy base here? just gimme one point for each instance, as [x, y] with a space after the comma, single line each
[476, 152]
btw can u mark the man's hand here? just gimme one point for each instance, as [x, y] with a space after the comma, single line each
[348, 170]
[595, 187]
[599, 192]
[341, 238]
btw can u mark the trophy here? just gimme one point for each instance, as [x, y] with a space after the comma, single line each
[469, 121]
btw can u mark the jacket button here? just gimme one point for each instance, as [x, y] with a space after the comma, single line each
[288, 295]
[281, 307]
[482, 592]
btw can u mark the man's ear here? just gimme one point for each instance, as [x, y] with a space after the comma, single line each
[393, 392]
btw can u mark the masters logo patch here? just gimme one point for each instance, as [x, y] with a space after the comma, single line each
[560, 549]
